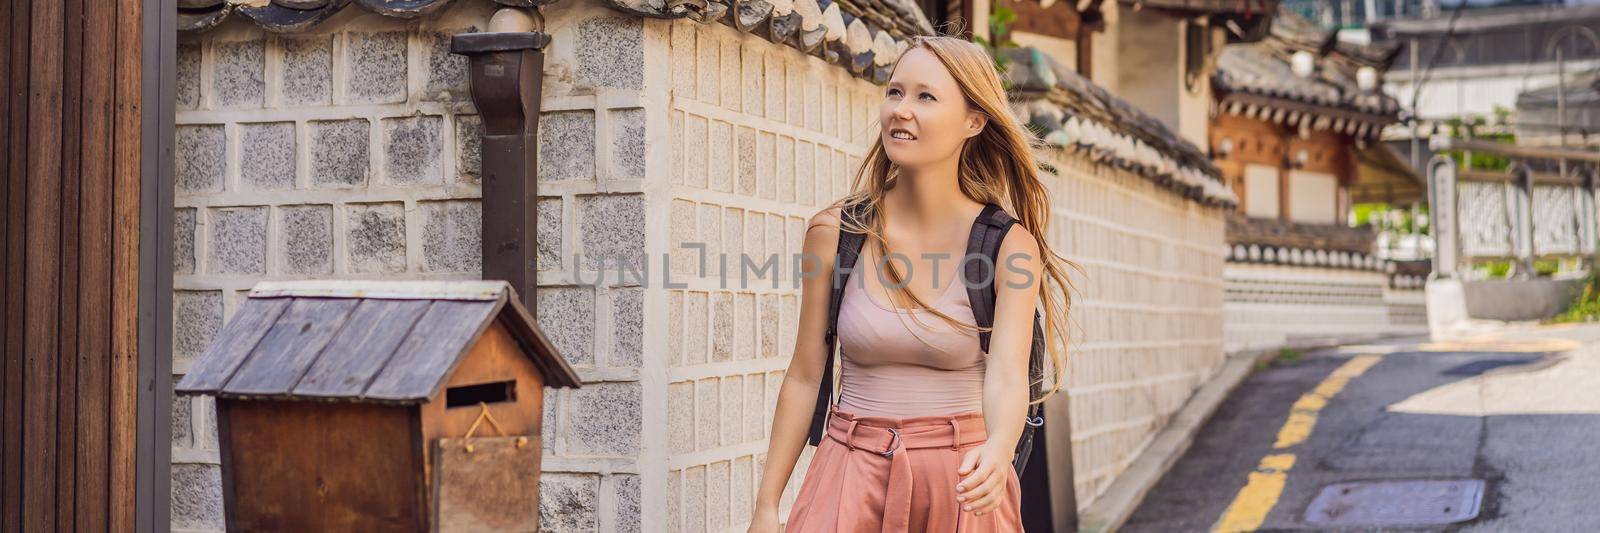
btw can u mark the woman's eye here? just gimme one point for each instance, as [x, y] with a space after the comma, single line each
[894, 92]
[926, 95]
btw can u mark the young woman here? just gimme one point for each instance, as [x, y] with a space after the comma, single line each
[918, 398]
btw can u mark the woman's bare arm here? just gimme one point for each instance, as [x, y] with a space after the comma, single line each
[1018, 279]
[797, 397]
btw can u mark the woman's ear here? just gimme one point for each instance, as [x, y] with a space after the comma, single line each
[975, 123]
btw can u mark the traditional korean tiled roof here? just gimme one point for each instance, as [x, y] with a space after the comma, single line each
[1486, 20]
[1273, 241]
[1294, 30]
[863, 36]
[368, 341]
[1257, 79]
[298, 15]
[1073, 113]
[1258, 7]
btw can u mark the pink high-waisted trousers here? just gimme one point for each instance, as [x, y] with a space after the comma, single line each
[897, 475]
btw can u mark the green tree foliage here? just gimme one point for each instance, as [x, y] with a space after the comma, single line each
[1000, 20]
[1586, 307]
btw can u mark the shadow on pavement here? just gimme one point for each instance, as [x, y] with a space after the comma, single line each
[1524, 421]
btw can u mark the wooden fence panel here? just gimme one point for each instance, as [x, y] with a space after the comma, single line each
[72, 137]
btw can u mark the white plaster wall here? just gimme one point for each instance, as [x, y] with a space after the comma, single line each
[1261, 186]
[1269, 305]
[1194, 103]
[1150, 45]
[1313, 197]
[1064, 51]
[1456, 91]
[1139, 58]
[1146, 317]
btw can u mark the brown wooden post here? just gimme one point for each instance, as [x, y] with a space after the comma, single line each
[85, 272]
[506, 68]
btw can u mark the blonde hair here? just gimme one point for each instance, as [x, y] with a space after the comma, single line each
[996, 166]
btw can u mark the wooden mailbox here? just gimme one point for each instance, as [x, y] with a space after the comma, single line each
[380, 406]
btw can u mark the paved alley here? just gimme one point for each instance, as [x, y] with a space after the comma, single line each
[1519, 410]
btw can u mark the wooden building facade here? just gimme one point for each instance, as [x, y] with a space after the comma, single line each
[83, 399]
[1292, 117]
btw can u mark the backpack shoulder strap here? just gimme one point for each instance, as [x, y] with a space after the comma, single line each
[848, 252]
[988, 231]
[983, 250]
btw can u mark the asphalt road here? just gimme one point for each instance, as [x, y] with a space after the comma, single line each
[1519, 410]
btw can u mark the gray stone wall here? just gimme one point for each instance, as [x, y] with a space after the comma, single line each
[350, 151]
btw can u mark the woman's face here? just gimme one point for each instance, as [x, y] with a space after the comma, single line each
[924, 117]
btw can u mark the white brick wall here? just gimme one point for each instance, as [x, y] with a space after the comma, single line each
[761, 138]
[1147, 316]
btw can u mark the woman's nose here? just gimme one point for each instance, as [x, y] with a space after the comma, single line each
[901, 110]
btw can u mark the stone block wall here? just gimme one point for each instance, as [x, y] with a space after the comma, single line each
[350, 151]
[1146, 321]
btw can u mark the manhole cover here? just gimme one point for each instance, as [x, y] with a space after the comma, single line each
[1392, 503]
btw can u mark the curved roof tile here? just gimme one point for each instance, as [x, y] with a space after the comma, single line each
[1072, 112]
[1263, 69]
[862, 36]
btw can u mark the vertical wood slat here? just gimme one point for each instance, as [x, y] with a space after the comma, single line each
[125, 284]
[15, 118]
[93, 384]
[16, 164]
[43, 265]
[67, 325]
[70, 156]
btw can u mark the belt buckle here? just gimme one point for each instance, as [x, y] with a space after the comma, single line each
[894, 443]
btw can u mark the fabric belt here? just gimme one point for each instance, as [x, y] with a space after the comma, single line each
[890, 438]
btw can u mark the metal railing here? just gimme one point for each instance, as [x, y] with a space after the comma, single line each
[1542, 206]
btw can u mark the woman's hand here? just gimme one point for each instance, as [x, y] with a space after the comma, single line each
[983, 477]
[765, 520]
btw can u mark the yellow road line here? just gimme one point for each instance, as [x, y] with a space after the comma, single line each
[1303, 416]
[1260, 494]
[1256, 499]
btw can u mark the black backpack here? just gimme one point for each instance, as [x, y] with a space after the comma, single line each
[988, 231]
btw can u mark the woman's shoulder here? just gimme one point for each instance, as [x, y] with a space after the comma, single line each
[822, 235]
[829, 217]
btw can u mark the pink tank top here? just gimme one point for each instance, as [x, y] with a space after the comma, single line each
[888, 372]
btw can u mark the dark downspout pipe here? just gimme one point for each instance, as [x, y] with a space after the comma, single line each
[505, 69]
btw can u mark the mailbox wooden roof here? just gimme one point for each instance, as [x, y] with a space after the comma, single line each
[373, 341]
